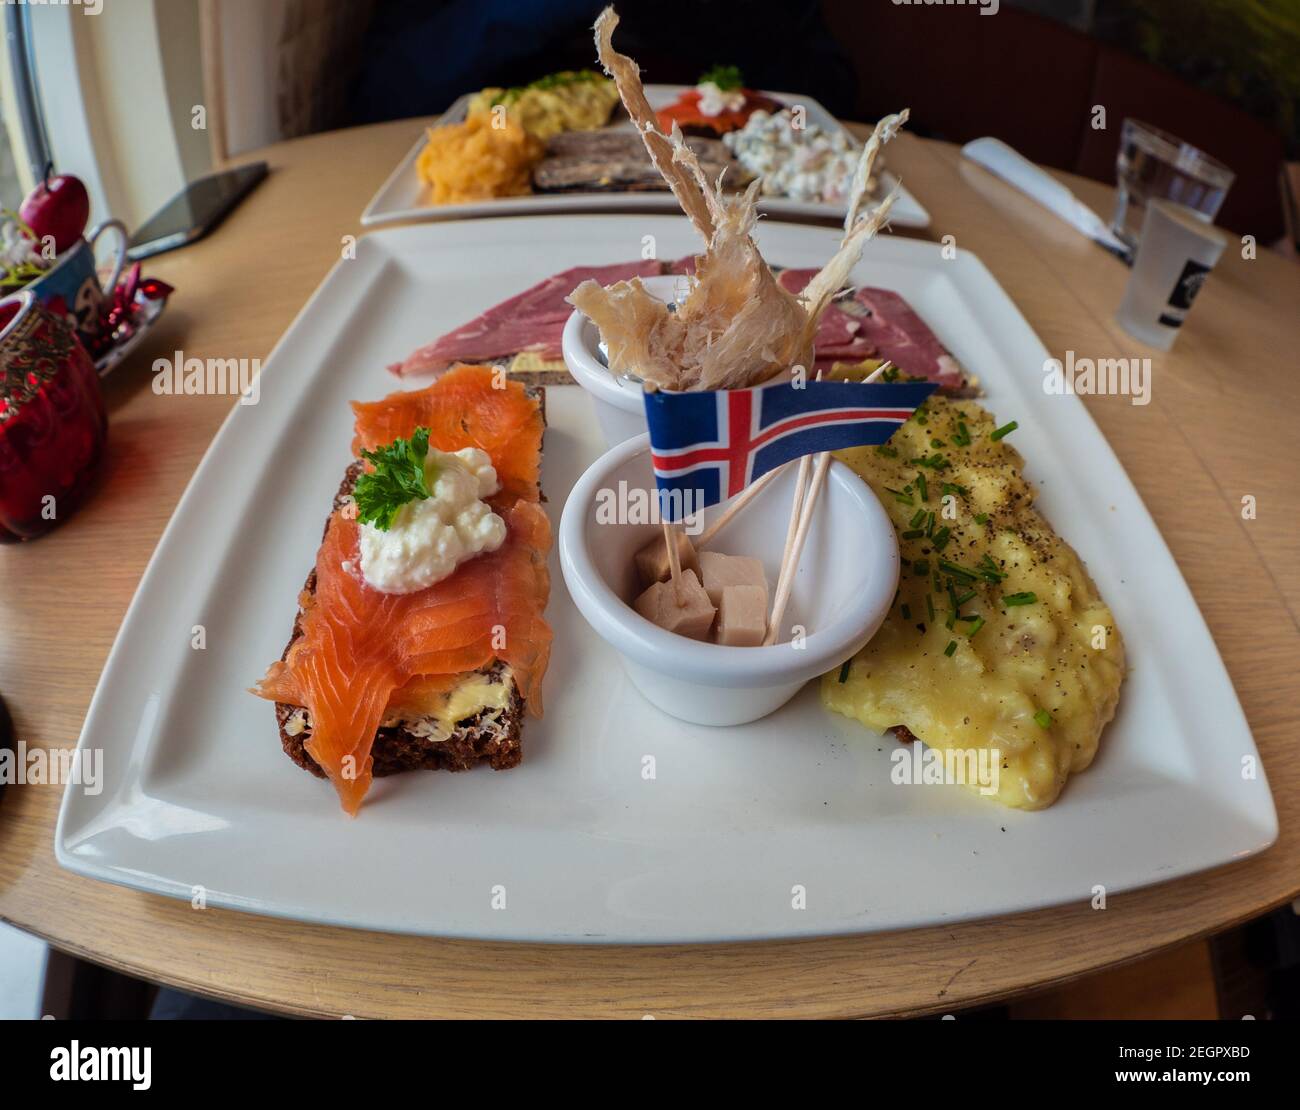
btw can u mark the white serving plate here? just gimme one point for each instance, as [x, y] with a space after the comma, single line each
[198, 794]
[404, 197]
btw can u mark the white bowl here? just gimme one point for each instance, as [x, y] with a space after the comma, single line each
[842, 591]
[619, 403]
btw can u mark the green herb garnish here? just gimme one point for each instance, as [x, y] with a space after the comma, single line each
[398, 477]
[899, 495]
[1026, 598]
[725, 77]
[1043, 719]
[959, 571]
[1005, 430]
[952, 646]
[976, 623]
[934, 462]
[844, 670]
[989, 570]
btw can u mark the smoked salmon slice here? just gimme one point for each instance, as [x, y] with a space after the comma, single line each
[362, 654]
[469, 406]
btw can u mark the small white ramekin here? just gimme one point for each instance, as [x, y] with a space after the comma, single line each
[842, 591]
[619, 403]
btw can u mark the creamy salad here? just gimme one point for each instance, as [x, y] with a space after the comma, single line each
[804, 163]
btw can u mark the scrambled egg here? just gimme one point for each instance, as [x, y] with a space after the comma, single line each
[569, 101]
[998, 639]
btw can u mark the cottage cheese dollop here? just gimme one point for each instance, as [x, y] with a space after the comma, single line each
[429, 539]
[714, 101]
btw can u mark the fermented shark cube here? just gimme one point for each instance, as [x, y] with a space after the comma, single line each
[718, 571]
[690, 615]
[652, 560]
[742, 616]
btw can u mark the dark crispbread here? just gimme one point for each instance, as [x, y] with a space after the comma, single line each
[490, 736]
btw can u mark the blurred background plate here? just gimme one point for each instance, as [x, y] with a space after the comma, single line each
[404, 197]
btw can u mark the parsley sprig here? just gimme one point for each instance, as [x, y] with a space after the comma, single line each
[398, 477]
[724, 77]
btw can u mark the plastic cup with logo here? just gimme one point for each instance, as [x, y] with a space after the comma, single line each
[1177, 252]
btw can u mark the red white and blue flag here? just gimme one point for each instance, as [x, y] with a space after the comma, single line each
[708, 446]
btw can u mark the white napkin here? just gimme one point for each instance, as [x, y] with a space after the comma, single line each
[1014, 168]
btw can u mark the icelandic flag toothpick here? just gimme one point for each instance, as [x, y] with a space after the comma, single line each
[708, 446]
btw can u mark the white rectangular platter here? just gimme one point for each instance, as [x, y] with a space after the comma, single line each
[404, 197]
[584, 848]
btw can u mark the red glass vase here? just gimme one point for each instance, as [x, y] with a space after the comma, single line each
[52, 418]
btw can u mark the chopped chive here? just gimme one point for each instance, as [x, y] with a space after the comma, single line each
[886, 450]
[988, 569]
[1005, 430]
[844, 670]
[976, 623]
[929, 524]
[922, 488]
[959, 571]
[899, 495]
[937, 443]
[913, 534]
[953, 487]
[917, 517]
[940, 538]
[921, 567]
[965, 597]
[932, 462]
[1043, 719]
[962, 438]
[981, 518]
[1026, 598]
[952, 646]
[929, 607]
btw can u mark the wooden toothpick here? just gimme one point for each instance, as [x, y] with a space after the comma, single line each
[736, 505]
[797, 534]
[674, 561]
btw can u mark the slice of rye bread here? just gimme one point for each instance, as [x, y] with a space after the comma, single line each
[491, 736]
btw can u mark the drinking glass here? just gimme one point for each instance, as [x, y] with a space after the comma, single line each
[1153, 164]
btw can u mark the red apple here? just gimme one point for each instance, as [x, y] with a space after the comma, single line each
[58, 207]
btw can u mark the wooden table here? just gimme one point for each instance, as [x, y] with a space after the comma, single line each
[1221, 426]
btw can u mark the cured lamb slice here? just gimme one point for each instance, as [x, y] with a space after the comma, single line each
[529, 321]
[878, 323]
[901, 335]
[838, 334]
